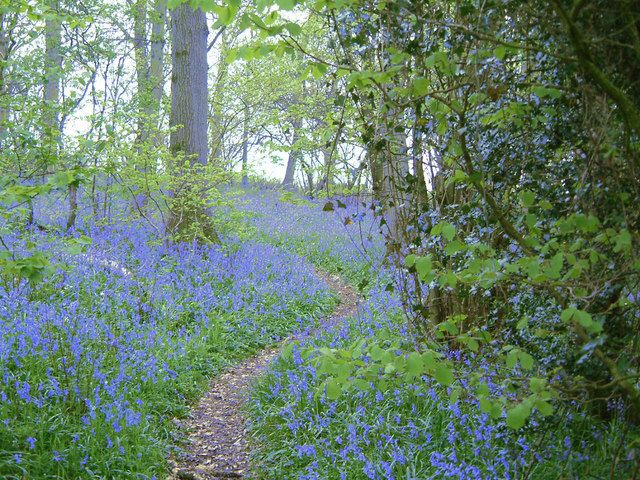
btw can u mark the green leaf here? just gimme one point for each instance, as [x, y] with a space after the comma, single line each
[459, 176]
[454, 396]
[334, 389]
[512, 359]
[517, 416]
[530, 219]
[546, 92]
[410, 260]
[537, 385]
[499, 52]
[523, 323]
[429, 360]
[544, 407]
[225, 14]
[527, 197]
[287, 351]
[443, 374]
[415, 366]
[448, 279]
[448, 231]
[485, 404]
[423, 266]
[567, 314]
[294, 29]
[420, 86]
[526, 360]
[623, 241]
[286, 4]
[583, 318]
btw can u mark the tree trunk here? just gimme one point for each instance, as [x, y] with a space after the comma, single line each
[156, 65]
[6, 27]
[245, 148]
[51, 115]
[217, 127]
[418, 166]
[329, 159]
[73, 205]
[188, 121]
[53, 66]
[189, 84]
[150, 82]
[294, 154]
[142, 67]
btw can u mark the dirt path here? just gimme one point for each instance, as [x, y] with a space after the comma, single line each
[217, 447]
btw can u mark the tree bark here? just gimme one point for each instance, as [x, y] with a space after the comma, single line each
[245, 148]
[217, 128]
[418, 167]
[188, 121]
[149, 63]
[6, 27]
[142, 66]
[189, 98]
[294, 154]
[53, 67]
[51, 97]
[156, 65]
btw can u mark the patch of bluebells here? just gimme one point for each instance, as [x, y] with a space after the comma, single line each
[95, 359]
[401, 430]
[410, 430]
[343, 239]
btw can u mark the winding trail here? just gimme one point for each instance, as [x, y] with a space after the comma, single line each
[217, 447]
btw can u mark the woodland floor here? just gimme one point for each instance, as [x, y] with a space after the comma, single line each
[217, 446]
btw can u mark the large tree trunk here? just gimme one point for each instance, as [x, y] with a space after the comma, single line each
[188, 121]
[328, 151]
[142, 82]
[189, 98]
[394, 197]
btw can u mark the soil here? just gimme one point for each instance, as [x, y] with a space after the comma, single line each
[217, 446]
